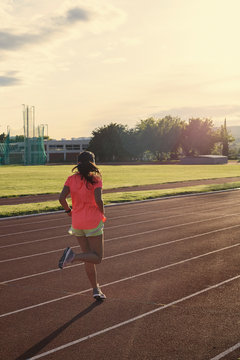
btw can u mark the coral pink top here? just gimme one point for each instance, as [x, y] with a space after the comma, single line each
[85, 212]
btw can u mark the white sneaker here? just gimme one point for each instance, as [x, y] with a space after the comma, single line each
[67, 257]
[98, 294]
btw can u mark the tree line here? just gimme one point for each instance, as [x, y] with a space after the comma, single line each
[159, 139]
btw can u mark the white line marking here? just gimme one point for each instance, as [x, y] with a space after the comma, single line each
[228, 351]
[34, 230]
[121, 280]
[114, 218]
[121, 204]
[122, 237]
[156, 211]
[68, 224]
[31, 215]
[34, 241]
[131, 320]
[112, 256]
[21, 223]
[166, 228]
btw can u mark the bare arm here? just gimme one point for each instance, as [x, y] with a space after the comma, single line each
[62, 198]
[98, 199]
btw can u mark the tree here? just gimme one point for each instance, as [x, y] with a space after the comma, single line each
[2, 137]
[199, 137]
[169, 135]
[17, 139]
[161, 136]
[107, 142]
[225, 139]
[146, 131]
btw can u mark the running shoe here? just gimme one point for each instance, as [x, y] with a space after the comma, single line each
[98, 294]
[67, 257]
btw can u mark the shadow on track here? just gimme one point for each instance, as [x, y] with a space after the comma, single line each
[41, 344]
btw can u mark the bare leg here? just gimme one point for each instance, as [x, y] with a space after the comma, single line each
[92, 248]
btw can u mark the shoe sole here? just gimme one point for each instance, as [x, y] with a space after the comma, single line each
[99, 298]
[63, 258]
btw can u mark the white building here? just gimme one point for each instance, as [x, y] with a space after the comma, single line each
[65, 150]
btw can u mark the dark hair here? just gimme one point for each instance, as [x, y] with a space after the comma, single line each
[86, 167]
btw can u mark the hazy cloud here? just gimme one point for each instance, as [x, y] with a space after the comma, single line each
[11, 41]
[77, 14]
[8, 81]
[200, 111]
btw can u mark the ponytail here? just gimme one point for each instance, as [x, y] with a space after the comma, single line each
[87, 168]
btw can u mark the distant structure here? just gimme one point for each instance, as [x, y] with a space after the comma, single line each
[26, 149]
[58, 151]
[204, 160]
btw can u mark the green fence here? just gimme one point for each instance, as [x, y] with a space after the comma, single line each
[29, 152]
[26, 149]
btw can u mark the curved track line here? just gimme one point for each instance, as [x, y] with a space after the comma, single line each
[112, 256]
[122, 237]
[121, 280]
[131, 320]
[226, 352]
[106, 228]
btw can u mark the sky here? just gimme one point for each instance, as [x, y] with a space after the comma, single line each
[84, 64]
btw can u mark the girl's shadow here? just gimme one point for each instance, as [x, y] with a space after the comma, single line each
[41, 344]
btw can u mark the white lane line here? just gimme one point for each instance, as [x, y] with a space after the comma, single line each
[125, 253]
[165, 218]
[122, 237]
[120, 280]
[137, 202]
[65, 225]
[133, 319]
[109, 218]
[34, 241]
[106, 228]
[226, 203]
[111, 227]
[228, 351]
[35, 230]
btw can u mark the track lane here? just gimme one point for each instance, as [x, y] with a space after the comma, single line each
[41, 263]
[74, 279]
[112, 313]
[222, 263]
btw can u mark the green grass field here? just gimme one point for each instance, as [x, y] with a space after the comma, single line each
[20, 180]
[28, 180]
[21, 209]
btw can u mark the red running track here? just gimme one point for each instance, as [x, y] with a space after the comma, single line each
[171, 276]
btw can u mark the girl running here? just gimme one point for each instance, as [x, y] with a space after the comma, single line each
[87, 213]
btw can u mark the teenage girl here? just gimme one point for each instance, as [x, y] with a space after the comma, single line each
[87, 214]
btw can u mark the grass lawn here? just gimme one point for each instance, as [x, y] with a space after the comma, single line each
[11, 210]
[27, 180]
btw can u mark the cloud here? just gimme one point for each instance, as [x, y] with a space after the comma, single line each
[9, 81]
[49, 40]
[76, 14]
[10, 41]
[13, 41]
[200, 111]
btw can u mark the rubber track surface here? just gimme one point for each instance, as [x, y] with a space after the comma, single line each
[170, 272]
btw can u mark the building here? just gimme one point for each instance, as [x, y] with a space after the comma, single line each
[58, 151]
[204, 160]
